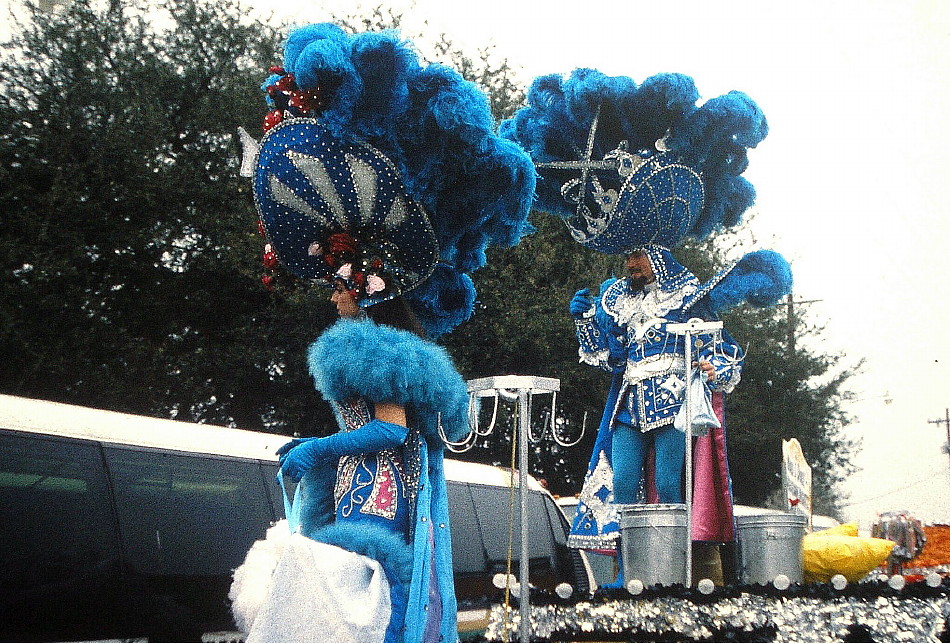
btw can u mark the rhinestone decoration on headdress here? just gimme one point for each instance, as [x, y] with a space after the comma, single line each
[658, 201]
[626, 165]
[336, 210]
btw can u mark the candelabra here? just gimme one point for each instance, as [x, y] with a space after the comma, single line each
[520, 389]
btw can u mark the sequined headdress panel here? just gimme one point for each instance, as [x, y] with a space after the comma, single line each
[336, 210]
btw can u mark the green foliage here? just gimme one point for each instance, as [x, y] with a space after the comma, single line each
[130, 250]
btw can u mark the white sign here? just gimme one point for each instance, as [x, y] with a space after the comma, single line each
[796, 479]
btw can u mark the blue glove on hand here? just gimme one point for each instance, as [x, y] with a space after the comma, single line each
[372, 437]
[581, 303]
[290, 445]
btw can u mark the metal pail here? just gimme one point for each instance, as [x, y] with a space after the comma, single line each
[653, 542]
[770, 545]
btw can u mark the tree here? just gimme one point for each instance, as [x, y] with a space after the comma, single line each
[521, 327]
[131, 278]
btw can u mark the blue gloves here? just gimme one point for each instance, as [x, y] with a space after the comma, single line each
[581, 304]
[290, 445]
[302, 454]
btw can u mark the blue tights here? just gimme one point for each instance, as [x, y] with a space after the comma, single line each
[629, 452]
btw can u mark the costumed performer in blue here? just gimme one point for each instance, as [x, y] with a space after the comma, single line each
[381, 178]
[634, 170]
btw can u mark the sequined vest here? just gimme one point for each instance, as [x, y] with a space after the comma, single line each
[376, 487]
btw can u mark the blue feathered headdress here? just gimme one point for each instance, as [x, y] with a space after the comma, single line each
[460, 181]
[628, 165]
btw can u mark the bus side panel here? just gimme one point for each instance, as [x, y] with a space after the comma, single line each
[186, 521]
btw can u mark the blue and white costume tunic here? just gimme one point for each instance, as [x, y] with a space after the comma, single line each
[625, 334]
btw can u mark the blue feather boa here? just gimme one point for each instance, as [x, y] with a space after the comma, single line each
[357, 357]
[760, 278]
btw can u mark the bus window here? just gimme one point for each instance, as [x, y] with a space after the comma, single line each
[492, 514]
[468, 551]
[492, 507]
[58, 543]
[186, 514]
[269, 471]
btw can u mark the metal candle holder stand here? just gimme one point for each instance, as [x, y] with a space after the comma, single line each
[521, 388]
[687, 330]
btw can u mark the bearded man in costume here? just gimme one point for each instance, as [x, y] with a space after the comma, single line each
[380, 177]
[633, 170]
[624, 331]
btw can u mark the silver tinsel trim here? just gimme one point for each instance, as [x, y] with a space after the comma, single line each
[789, 620]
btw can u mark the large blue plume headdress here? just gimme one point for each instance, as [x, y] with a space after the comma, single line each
[628, 166]
[388, 167]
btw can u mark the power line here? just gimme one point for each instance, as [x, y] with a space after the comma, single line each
[790, 302]
[899, 489]
[945, 421]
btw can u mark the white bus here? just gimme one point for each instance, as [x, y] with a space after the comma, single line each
[116, 526]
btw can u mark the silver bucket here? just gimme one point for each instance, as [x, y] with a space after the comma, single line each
[770, 545]
[653, 542]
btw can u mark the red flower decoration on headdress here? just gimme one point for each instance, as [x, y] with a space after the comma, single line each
[308, 100]
[272, 118]
[286, 84]
[292, 101]
[339, 249]
[269, 258]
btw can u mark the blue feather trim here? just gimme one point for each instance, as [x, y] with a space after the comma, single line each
[760, 278]
[383, 364]
[443, 301]
[373, 541]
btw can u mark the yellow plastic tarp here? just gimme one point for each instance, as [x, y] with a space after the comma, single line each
[838, 552]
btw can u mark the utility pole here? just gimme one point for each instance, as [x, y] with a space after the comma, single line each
[945, 420]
